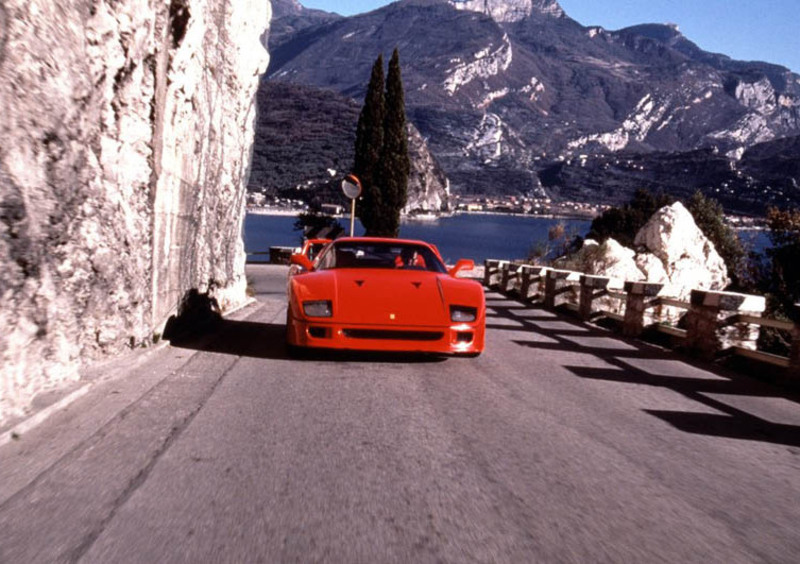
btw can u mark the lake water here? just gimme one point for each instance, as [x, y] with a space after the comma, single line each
[475, 236]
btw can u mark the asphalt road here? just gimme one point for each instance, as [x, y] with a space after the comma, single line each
[561, 443]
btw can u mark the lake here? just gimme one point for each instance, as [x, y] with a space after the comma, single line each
[474, 236]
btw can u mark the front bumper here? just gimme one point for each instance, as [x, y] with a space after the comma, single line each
[456, 338]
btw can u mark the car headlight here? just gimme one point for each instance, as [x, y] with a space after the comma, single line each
[463, 313]
[319, 308]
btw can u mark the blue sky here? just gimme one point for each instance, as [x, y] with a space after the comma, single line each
[766, 30]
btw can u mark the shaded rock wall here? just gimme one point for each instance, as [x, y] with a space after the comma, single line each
[126, 129]
[428, 186]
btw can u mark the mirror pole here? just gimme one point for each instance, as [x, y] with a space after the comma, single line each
[352, 215]
[351, 186]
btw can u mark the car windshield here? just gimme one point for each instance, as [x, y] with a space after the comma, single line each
[314, 249]
[405, 256]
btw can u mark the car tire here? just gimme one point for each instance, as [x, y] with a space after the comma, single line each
[293, 351]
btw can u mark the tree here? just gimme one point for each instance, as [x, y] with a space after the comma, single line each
[623, 223]
[779, 276]
[369, 146]
[394, 163]
[381, 153]
[784, 255]
[709, 216]
[315, 224]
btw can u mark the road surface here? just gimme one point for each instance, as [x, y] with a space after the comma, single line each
[561, 443]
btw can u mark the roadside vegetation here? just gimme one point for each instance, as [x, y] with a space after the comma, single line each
[775, 274]
[624, 222]
[778, 276]
[381, 152]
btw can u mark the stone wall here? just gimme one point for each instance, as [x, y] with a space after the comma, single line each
[126, 133]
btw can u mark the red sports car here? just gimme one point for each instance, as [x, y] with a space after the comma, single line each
[384, 295]
[311, 248]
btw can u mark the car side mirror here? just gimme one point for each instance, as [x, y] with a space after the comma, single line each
[463, 264]
[301, 261]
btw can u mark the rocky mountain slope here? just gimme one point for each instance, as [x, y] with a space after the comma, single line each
[289, 17]
[766, 174]
[503, 89]
[305, 138]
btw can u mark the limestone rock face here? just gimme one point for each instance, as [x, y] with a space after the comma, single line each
[652, 268]
[670, 250]
[428, 186]
[689, 259]
[126, 130]
[607, 259]
[510, 10]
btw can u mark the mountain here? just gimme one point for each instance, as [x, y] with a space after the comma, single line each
[504, 90]
[289, 17]
[305, 136]
[767, 174]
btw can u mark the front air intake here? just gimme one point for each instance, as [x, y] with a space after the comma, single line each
[390, 335]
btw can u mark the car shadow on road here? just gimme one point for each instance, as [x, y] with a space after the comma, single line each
[268, 341]
[636, 362]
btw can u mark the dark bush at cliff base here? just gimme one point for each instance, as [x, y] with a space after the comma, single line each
[197, 313]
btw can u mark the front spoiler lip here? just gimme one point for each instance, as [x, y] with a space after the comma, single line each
[298, 335]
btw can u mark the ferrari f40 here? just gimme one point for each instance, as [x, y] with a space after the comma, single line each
[380, 294]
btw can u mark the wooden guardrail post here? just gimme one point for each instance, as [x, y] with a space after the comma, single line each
[506, 271]
[592, 287]
[280, 255]
[491, 272]
[707, 329]
[528, 275]
[794, 354]
[555, 285]
[636, 304]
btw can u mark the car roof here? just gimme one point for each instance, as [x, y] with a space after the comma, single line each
[389, 240]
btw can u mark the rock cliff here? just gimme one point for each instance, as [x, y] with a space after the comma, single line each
[510, 10]
[127, 129]
[670, 250]
[428, 187]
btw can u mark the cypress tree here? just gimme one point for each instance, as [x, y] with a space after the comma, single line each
[394, 165]
[369, 144]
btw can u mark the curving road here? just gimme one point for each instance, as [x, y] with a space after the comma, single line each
[561, 443]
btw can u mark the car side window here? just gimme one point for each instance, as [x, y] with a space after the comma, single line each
[326, 259]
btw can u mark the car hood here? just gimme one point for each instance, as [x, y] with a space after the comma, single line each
[393, 297]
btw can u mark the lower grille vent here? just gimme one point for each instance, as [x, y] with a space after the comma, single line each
[393, 335]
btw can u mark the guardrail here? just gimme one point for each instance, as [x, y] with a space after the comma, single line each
[714, 321]
[277, 255]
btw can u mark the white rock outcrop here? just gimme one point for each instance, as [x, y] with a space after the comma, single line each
[670, 250]
[509, 11]
[127, 128]
[607, 259]
[487, 63]
[689, 259]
